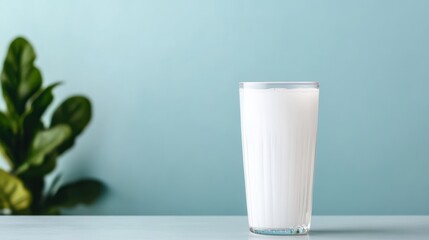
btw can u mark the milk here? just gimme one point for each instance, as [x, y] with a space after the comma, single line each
[279, 127]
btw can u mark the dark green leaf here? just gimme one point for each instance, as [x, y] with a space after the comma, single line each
[75, 111]
[13, 194]
[85, 191]
[47, 166]
[32, 119]
[44, 143]
[6, 127]
[20, 78]
[42, 101]
[65, 146]
[6, 138]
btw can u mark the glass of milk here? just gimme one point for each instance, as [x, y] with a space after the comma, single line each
[279, 129]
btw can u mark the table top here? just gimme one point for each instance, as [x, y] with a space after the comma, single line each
[204, 227]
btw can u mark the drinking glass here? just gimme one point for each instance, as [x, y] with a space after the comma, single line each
[279, 129]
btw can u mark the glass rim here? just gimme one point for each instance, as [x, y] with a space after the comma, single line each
[289, 85]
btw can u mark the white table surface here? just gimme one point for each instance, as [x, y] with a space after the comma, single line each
[204, 227]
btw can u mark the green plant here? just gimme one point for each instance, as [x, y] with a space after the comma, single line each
[30, 147]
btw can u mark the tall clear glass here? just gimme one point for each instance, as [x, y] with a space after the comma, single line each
[279, 129]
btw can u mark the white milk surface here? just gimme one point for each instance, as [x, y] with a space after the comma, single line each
[279, 129]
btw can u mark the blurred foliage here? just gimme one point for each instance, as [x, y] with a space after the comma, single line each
[31, 148]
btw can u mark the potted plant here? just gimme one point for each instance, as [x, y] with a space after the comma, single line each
[30, 147]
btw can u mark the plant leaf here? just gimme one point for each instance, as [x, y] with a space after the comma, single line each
[6, 138]
[6, 128]
[13, 194]
[85, 191]
[20, 78]
[42, 101]
[47, 166]
[45, 142]
[75, 112]
[32, 119]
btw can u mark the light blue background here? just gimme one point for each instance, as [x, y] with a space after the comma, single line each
[163, 77]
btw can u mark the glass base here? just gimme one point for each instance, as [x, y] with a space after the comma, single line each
[281, 231]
